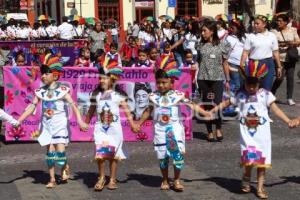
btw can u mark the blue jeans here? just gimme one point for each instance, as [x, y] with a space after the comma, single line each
[178, 58]
[235, 78]
[115, 39]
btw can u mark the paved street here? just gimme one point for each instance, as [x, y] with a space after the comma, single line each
[211, 172]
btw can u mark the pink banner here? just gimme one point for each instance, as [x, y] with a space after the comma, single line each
[20, 83]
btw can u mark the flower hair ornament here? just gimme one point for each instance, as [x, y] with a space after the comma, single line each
[52, 63]
[111, 69]
[254, 69]
[169, 66]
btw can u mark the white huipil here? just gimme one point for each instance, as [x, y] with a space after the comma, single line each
[255, 129]
[108, 133]
[54, 125]
[167, 115]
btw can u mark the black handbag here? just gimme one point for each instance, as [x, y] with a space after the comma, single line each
[291, 53]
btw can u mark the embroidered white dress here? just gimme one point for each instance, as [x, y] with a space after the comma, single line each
[54, 124]
[255, 129]
[167, 119]
[108, 134]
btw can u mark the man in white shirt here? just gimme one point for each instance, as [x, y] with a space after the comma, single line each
[135, 29]
[65, 30]
[52, 30]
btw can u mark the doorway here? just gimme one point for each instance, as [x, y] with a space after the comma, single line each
[142, 13]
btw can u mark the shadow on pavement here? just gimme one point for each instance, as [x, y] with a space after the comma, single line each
[231, 185]
[286, 179]
[38, 176]
[200, 135]
[88, 178]
[145, 179]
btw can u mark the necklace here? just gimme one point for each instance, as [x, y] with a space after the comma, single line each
[51, 91]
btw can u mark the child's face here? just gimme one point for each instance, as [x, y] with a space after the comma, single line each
[48, 78]
[113, 50]
[164, 85]
[189, 58]
[87, 54]
[142, 56]
[251, 88]
[153, 54]
[20, 61]
[105, 82]
[167, 49]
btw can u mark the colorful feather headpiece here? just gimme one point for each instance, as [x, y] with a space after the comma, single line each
[169, 65]
[254, 69]
[52, 63]
[111, 68]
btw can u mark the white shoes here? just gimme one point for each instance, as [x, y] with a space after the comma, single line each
[291, 102]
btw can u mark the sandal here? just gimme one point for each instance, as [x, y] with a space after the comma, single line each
[100, 184]
[210, 137]
[178, 186]
[165, 186]
[65, 174]
[51, 185]
[245, 187]
[219, 136]
[262, 194]
[112, 185]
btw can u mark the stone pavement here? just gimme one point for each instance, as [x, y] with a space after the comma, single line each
[211, 172]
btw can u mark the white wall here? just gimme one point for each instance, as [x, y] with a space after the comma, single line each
[214, 9]
[263, 7]
[87, 8]
[128, 12]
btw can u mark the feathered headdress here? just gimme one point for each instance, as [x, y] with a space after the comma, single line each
[111, 68]
[52, 63]
[169, 65]
[254, 69]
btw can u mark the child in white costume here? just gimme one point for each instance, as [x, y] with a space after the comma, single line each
[54, 125]
[8, 118]
[108, 134]
[169, 133]
[255, 128]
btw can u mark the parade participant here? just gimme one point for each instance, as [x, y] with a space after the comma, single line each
[189, 62]
[263, 46]
[253, 103]
[222, 32]
[84, 59]
[192, 38]
[22, 33]
[287, 38]
[52, 29]
[112, 56]
[108, 134]
[153, 56]
[236, 39]
[97, 39]
[34, 33]
[142, 60]
[20, 59]
[8, 118]
[129, 51]
[43, 31]
[169, 134]
[54, 131]
[214, 70]
[65, 30]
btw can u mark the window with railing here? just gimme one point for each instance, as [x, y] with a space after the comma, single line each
[187, 7]
[108, 9]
